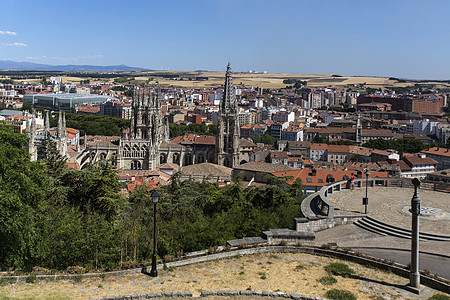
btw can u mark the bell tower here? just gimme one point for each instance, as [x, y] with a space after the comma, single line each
[227, 138]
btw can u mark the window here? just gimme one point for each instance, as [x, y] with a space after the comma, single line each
[320, 180]
[309, 180]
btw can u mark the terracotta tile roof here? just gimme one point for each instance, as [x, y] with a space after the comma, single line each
[278, 154]
[416, 160]
[360, 150]
[167, 166]
[403, 166]
[320, 178]
[316, 146]
[338, 148]
[206, 169]
[376, 132]
[437, 151]
[295, 144]
[263, 167]
[246, 143]
[191, 138]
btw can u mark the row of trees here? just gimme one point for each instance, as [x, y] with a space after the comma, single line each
[94, 124]
[402, 145]
[55, 217]
[201, 129]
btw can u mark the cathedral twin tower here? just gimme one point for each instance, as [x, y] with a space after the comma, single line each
[140, 149]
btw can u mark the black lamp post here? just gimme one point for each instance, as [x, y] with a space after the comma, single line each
[366, 199]
[155, 199]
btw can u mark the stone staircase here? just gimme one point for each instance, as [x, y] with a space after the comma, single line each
[374, 225]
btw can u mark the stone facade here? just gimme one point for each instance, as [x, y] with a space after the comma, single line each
[140, 150]
[227, 139]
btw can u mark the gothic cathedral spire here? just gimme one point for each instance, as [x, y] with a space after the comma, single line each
[227, 138]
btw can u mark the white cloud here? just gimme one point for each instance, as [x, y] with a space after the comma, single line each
[6, 32]
[16, 45]
[39, 57]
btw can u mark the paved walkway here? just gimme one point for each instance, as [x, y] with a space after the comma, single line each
[391, 205]
[351, 236]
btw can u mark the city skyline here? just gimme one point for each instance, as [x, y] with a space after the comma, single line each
[374, 38]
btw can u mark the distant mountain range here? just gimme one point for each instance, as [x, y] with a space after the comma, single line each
[13, 65]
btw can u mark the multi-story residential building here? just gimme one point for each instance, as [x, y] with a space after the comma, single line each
[278, 157]
[176, 116]
[440, 155]
[363, 152]
[276, 130]
[116, 109]
[318, 152]
[421, 127]
[302, 148]
[215, 98]
[245, 117]
[252, 130]
[283, 116]
[443, 133]
[417, 166]
[338, 154]
[292, 133]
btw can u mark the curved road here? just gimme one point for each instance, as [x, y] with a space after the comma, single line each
[436, 264]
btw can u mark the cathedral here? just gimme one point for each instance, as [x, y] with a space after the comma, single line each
[146, 145]
[139, 150]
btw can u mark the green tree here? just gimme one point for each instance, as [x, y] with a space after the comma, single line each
[23, 189]
[265, 138]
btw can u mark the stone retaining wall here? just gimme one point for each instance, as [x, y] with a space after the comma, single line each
[395, 268]
[314, 224]
[230, 293]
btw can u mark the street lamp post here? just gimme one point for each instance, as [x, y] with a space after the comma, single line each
[366, 199]
[155, 199]
[415, 212]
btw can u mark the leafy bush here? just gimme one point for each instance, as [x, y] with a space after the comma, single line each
[76, 270]
[339, 269]
[78, 278]
[340, 295]
[31, 278]
[5, 281]
[327, 280]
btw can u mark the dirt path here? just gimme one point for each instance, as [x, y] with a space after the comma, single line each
[290, 273]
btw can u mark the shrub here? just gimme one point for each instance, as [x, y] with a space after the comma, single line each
[262, 275]
[439, 297]
[5, 281]
[76, 270]
[340, 295]
[41, 271]
[31, 278]
[299, 267]
[78, 278]
[327, 280]
[339, 269]
[169, 258]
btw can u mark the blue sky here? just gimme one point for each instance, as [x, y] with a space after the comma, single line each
[400, 38]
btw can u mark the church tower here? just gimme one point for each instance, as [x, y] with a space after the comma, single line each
[358, 130]
[227, 138]
[61, 142]
[140, 150]
[31, 128]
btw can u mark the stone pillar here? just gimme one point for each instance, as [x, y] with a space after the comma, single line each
[415, 211]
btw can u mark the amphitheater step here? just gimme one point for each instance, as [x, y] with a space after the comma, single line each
[400, 230]
[363, 226]
[377, 229]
